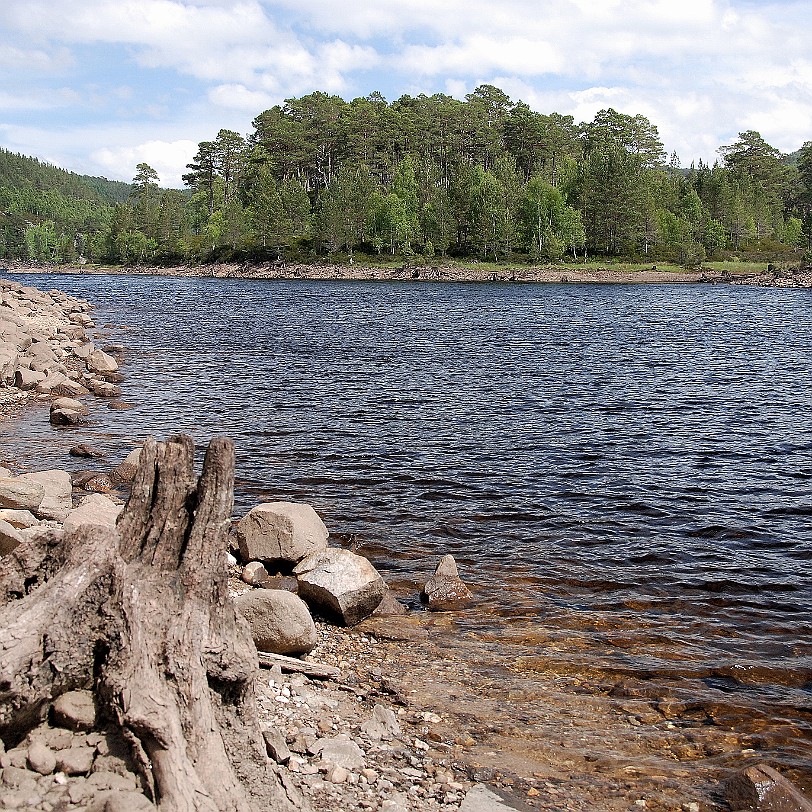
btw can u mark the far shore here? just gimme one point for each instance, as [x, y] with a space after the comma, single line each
[592, 274]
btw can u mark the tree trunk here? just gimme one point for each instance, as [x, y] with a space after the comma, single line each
[142, 615]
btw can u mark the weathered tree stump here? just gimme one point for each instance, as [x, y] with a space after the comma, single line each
[142, 615]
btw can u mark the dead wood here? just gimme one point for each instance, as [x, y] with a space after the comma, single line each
[142, 615]
[295, 666]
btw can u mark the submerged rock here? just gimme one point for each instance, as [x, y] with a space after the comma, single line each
[445, 591]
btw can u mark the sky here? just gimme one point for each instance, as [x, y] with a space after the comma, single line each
[97, 86]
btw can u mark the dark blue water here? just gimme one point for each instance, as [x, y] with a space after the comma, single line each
[623, 471]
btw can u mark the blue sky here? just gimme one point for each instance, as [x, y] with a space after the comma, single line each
[96, 86]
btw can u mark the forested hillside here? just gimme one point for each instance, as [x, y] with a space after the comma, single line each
[49, 214]
[484, 178]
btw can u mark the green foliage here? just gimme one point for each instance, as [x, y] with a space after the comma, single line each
[485, 178]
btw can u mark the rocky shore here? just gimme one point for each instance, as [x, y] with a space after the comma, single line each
[364, 704]
[405, 273]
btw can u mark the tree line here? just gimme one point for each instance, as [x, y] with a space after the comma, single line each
[432, 176]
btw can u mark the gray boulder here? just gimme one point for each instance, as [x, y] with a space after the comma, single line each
[280, 532]
[94, 509]
[17, 494]
[482, 799]
[57, 502]
[69, 403]
[101, 363]
[28, 378]
[445, 591]
[280, 621]
[75, 710]
[340, 584]
[340, 750]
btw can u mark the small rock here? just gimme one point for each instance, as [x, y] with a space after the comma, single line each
[276, 746]
[41, 758]
[254, 573]
[75, 710]
[482, 799]
[338, 775]
[445, 591]
[125, 472]
[383, 724]
[389, 606]
[83, 450]
[75, 760]
[340, 751]
[10, 538]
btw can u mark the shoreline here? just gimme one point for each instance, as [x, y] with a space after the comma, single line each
[415, 273]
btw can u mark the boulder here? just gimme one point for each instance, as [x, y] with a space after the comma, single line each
[10, 538]
[482, 799]
[17, 494]
[18, 519]
[57, 502]
[95, 509]
[340, 584]
[445, 591]
[125, 471]
[280, 621]
[28, 378]
[67, 417]
[69, 403]
[101, 363]
[75, 710]
[341, 751]
[763, 789]
[280, 532]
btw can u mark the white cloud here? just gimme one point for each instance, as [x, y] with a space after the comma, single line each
[701, 70]
[239, 97]
[168, 159]
[38, 99]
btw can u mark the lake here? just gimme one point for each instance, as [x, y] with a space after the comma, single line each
[623, 472]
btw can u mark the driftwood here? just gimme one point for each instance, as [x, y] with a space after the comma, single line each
[293, 665]
[142, 615]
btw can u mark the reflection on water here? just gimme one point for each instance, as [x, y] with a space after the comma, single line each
[621, 470]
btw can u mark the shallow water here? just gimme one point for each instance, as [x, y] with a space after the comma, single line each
[622, 472]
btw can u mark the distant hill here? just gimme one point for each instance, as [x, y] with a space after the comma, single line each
[19, 171]
[48, 212]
